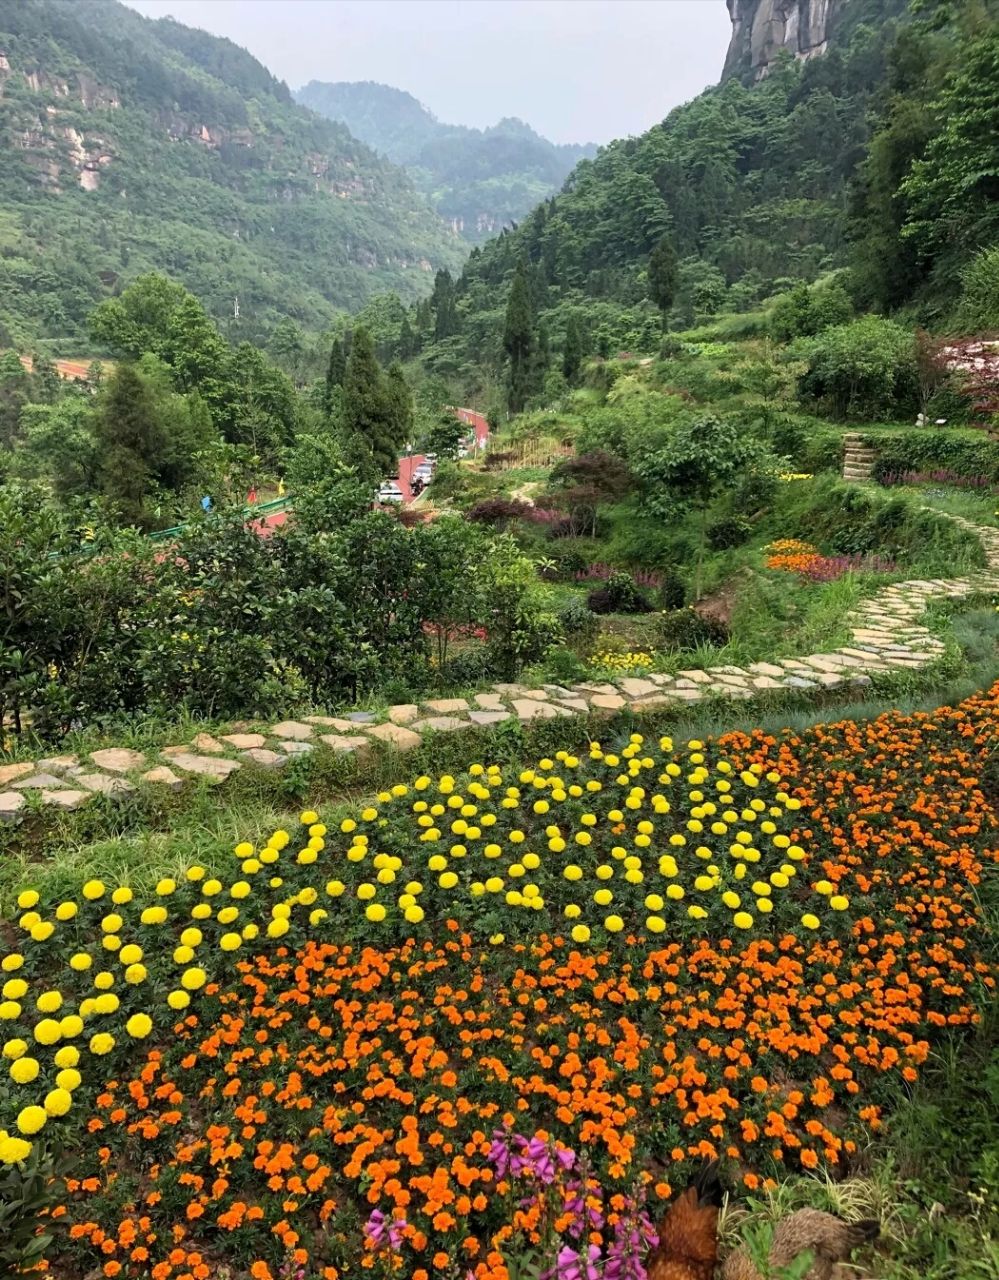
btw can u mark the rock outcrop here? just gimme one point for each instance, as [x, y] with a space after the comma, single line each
[762, 28]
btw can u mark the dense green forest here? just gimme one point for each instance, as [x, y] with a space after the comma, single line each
[867, 175]
[133, 145]
[481, 180]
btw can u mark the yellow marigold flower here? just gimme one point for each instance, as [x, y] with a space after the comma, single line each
[31, 1120]
[810, 921]
[58, 1102]
[193, 979]
[24, 1070]
[580, 933]
[101, 1043]
[27, 899]
[375, 912]
[231, 941]
[655, 924]
[838, 902]
[93, 889]
[613, 924]
[80, 961]
[11, 962]
[69, 1079]
[178, 1000]
[13, 1150]
[48, 1031]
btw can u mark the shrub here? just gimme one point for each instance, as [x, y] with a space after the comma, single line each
[577, 621]
[498, 512]
[563, 666]
[928, 450]
[865, 369]
[730, 531]
[684, 629]
[672, 592]
[979, 307]
[620, 595]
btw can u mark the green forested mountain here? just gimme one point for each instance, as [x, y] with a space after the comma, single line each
[132, 144]
[878, 158]
[480, 180]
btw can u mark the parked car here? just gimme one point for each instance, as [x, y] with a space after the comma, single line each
[390, 492]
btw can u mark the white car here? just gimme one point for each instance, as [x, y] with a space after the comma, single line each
[390, 492]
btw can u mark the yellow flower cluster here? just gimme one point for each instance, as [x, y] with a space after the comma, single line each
[625, 662]
[788, 476]
[635, 840]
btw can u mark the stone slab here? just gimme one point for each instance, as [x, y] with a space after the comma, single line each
[206, 743]
[11, 803]
[527, 710]
[294, 748]
[118, 759]
[11, 772]
[489, 717]
[57, 764]
[490, 701]
[163, 777]
[204, 766]
[38, 781]
[396, 736]
[635, 687]
[344, 742]
[403, 713]
[440, 724]
[245, 741]
[445, 706]
[264, 757]
[607, 701]
[294, 729]
[66, 799]
[105, 785]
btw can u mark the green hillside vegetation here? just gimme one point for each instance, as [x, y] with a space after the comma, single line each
[481, 180]
[134, 145]
[864, 179]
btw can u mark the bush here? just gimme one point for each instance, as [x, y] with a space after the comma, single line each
[673, 592]
[979, 306]
[563, 666]
[577, 621]
[467, 667]
[865, 369]
[683, 629]
[927, 449]
[730, 531]
[498, 512]
[620, 595]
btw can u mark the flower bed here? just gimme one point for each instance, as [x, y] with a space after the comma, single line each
[648, 954]
[789, 555]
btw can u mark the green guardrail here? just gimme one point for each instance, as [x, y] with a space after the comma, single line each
[258, 509]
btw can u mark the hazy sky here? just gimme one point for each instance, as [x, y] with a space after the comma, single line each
[577, 70]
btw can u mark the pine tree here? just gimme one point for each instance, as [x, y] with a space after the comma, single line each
[519, 341]
[572, 350]
[443, 300]
[408, 342]
[401, 399]
[336, 370]
[663, 276]
[370, 421]
[130, 442]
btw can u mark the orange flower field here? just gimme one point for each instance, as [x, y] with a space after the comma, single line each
[643, 955]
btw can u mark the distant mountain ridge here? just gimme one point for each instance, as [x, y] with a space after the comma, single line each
[133, 145]
[480, 180]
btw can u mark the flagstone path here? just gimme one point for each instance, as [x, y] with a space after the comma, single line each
[886, 635]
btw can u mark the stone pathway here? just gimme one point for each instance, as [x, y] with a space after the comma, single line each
[886, 635]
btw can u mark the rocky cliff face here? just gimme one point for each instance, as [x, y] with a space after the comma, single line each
[762, 28]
